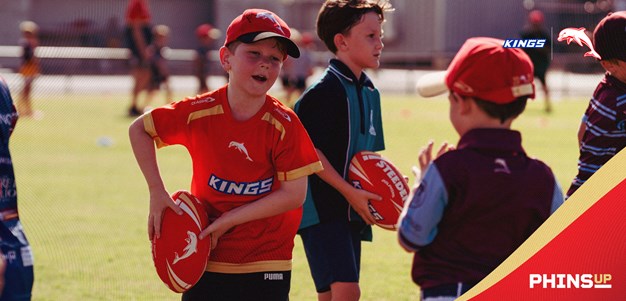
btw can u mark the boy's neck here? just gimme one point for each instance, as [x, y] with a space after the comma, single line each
[243, 106]
[355, 68]
[486, 123]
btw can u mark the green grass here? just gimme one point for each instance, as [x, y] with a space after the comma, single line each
[84, 207]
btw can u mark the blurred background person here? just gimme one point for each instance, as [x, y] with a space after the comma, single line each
[138, 35]
[29, 68]
[206, 35]
[296, 71]
[539, 56]
[159, 71]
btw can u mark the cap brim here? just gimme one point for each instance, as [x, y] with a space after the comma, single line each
[432, 84]
[290, 46]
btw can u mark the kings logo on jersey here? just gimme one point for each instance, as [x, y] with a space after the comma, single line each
[241, 188]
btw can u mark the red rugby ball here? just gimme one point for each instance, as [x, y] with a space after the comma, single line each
[180, 257]
[371, 172]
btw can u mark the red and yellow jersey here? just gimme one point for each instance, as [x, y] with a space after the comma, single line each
[238, 162]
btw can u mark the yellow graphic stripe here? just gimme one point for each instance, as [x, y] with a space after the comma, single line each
[148, 125]
[359, 171]
[605, 179]
[279, 126]
[300, 172]
[251, 267]
[178, 284]
[216, 110]
[196, 215]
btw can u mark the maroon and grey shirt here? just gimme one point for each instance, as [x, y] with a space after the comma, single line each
[605, 134]
[475, 206]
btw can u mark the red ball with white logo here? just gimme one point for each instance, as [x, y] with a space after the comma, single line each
[371, 172]
[180, 257]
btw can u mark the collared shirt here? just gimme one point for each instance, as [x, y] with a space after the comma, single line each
[236, 163]
[475, 206]
[342, 115]
[605, 134]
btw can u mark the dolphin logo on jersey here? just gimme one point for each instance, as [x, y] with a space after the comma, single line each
[501, 166]
[579, 36]
[192, 247]
[241, 148]
[270, 16]
[283, 113]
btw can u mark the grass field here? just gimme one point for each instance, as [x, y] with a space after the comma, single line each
[84, 206]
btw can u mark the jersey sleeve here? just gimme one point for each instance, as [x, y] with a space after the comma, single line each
[167, 125]
[295, 155]
[419, 220]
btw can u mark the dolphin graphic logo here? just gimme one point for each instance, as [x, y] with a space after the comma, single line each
[269, 16]
[242, 149]
[579, 36]
[192, 247]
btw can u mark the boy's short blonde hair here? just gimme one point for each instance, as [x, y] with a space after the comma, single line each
[29, 26]
[161, 30]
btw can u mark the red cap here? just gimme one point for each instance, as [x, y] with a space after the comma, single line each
[483, 69]
[258, 24]
[206, 30]
[535, 17]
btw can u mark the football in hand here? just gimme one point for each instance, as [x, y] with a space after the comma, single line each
[373, 173]
[180, 257]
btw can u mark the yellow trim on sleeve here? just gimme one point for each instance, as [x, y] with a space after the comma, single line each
[148, 124]
[300, 172]
[216, 110]
[279, 126]
[251, 267]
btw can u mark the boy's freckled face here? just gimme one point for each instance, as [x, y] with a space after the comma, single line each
[365, 41]
[255, 67]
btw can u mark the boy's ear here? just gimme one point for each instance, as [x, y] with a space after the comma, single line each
[608, 66]
[340, 42]
[466, 104]
[225, 55]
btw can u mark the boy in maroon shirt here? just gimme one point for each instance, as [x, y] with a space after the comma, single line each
[602, 132]
[477, 203]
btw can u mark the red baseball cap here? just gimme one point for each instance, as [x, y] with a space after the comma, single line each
[206, 30]
[535, 17]
[483, 69]
[258, 24]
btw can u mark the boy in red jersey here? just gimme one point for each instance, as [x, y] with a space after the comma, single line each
[251, 157]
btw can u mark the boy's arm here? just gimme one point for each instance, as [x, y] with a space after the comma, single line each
[417, 225]
[145, 154]
[358, 198]
[289, 196]
[581, 132]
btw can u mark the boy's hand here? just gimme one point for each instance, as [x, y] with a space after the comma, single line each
[426, 157]
[217, 228]
[359, 200]
[159, 201]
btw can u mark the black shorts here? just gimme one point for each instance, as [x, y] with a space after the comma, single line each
[270, 286]
[333, 250]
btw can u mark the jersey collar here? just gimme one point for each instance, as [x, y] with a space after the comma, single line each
[492, 140]
[343, 70]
